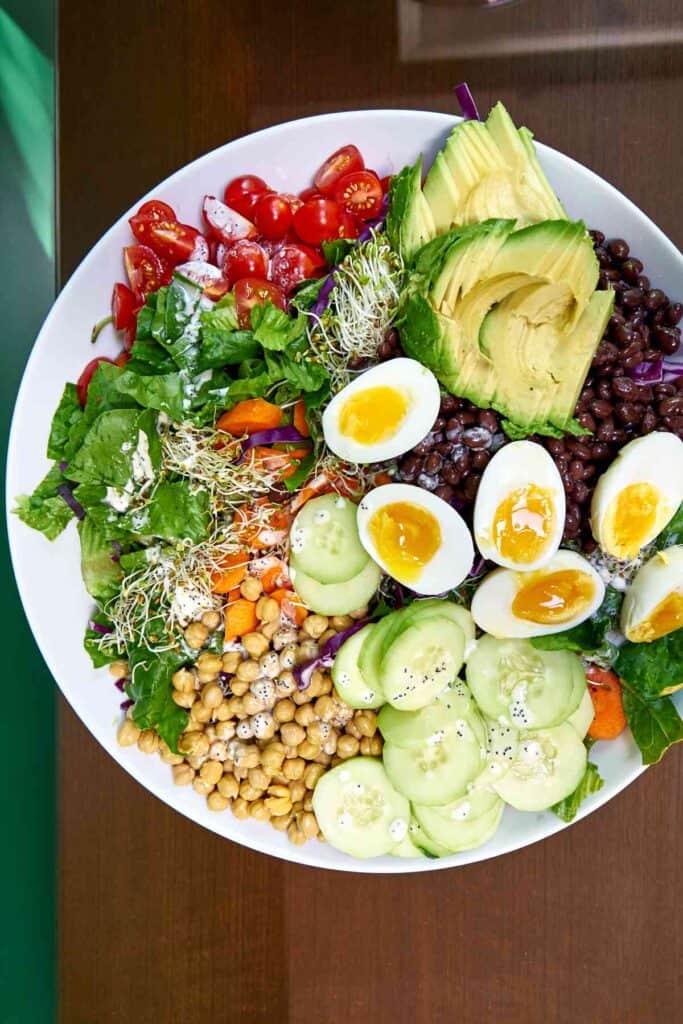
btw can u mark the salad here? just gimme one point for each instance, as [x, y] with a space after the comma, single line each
[380, 504]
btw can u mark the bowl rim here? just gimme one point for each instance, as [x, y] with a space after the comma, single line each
[297, 855]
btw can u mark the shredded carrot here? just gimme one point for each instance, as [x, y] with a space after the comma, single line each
[299, 419]
[605, 691]
[274, 576]
[382, 478]
[233, 571]
[240, 618]
[290, 605]
[278, 458]
[249, 416]
[273, 532]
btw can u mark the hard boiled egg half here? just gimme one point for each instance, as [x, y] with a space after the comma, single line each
[563, 593]
[520, 507]
[637, 496]
[653, 605]
[417, 538]
[383, 413]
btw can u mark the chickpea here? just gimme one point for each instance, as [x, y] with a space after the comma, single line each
[376, 746]
[325, 708]
[295, 836]
[183, 680]
[297, 790]
[211, 620]
[365, 722]
[281, 822]
[359, 613]
[283, 638]
[183, 700]
[248, 671]
[294, 769]
[307, 649]
[264, 690]
[291, 752]
[301, 697]
[167, 755]
[196, 635]
[240, 773]
[263, 725]
[272, 756]
[148, 741]
[292, 734]
[194, 743]
[323, 758]
[267, 609]
[340, 622]
[245, 730]
[251, 705]
[239, 686]
[288, 657]
[128, 733]
[352, 730]
[304, 715]
[366, 746]
[207, 662]
[240, 808]
[269, 629]
[228, 786]
[255, 644]
[250, 757]
[196, 761]
[210, 733]
[327, 635]
[326, 685]
[312, 774]
[200, 713]
[222, 712]
[309, 751]
[215, 801]
[235, 706]
[249, 792]
[259, 810]
[212, 696]
[225, 730]
[182, 774]
[119, 669]
[230, 661]
[259, 778]
[284, 710]
[308, 802]
[285, 684]
[218, 751]
[201, 786]
[318, 732]
[315, 625]
[251, 588]
[347, 746]
[269, 665]
[211, 772]
[308, 825]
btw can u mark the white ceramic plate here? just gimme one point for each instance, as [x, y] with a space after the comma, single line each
[48, 574]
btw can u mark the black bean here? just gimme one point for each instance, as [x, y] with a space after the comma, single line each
[444, 448]
[453, 429]
[451, 474]
[410, 466]
[655, 298]
[385, 350]
[626, 412]
[444, 491]
[674, 313]
[555, 446]
[671, 406]
[644, 282]
[618, 249]
[605, 431]
[599, 450]
[572, 518]
[576, 469]
[424, 447]
[448, 405]
[601, 408]
[480, 460]
[433, 463]
[649, 421]
[603, 257]
[597, 236]
[624, 387]
[477, 437]
[429, 483]
[587, 421]
[489, 420]
[471, 486]
[675, 425]
[624, 335]
[582, 451]
[463, 463]
[668, 339]
[632, 298]
[439, 424]
[664, 390]
[468, 418]
[630, 269]
[580, 492]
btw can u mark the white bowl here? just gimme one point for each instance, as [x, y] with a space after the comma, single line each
[48, 575]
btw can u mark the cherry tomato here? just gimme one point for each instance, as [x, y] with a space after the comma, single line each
[317, 221]
[348, 226]
[273, 216]
[173, 241]
[343, 161]
[146, 271]
[245, 259]
[243, 193]
[386, 182]
[156, 209]
[294, 263]
[83, 382]
[310, 193]
[124, 307]
[252, 291]
[294, 201]
[360, 193]
[226, 224]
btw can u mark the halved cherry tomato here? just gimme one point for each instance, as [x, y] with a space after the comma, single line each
[343, 161]
[124, 307]
[245, 259]
[318, 220]
[348, 226]
[360, 193]
[253, 291]
[310, 193]
[146, 271]
[386, 182]
[294, 201]
[226, 224]
[156, 209]
[243, 193]
[294, 263]
[172, 241]
[83, 382]
[273, 216]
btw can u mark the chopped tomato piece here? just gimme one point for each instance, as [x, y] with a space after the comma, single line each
[341, 162]
[253, 291]
[318, 220]
[243, 193]
[146, 271]
[157, 209]
[294, 263]
[169, 239]
[124, 307]
[83, 382]
[245, 259]
[360, 193]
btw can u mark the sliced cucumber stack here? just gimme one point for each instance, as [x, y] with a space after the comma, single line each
[583, 716]
[329, 567]
[464, 823]
[548, 766]
[347, 677]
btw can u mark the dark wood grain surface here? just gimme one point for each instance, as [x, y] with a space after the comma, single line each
[161, 922]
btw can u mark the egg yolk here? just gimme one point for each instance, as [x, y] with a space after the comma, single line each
[632, 519]
[406, 537]
[664, 618]
[372, 415]
[523, 522]
[553, 597]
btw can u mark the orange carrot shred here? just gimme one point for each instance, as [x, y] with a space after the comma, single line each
[249, 416]
[233, 571]
[299, 419]
[240, 618]
[605, 692]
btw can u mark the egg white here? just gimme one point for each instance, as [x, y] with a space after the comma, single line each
[492, 603]
[660, 576]
[453, 559]
[419, 387]
[656, 459]
[514, 466]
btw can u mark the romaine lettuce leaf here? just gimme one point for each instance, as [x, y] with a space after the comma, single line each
[68, 414]
[588, 636]
[590, 783]
[176, 512]
[652, 670]
[274, 330]
[151, 690]
[107, 453]
[45, 510]
[91, 642]
[99, 566]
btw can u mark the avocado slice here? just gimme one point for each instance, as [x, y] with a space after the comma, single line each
[409, 222]
[489, 170]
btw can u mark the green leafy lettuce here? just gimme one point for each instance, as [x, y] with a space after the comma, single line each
[591, 782]
[673, 533]
[99, 565]
[67, 416]
[45, 510]
[109, 448]
[589, 636]
[151, 690]
[648, 673]
[177, 512]
[656, 724]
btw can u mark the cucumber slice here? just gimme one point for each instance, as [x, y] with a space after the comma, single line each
[337, 598]
[514, 683]
[347, 677]
[358, 810]
[370, 655]
[421, 662]
[407, 848]
[502, 744]
[404, 728]
[324, 541]
[436, 606]
[438, 769]
[548, 766]
[462, 824]
[583, 716]
[429, 847]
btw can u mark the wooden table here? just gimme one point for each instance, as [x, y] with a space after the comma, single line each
[162, 922]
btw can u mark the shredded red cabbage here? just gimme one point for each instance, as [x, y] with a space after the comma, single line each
[65, 492]
[125, 704]
[121, 684]
[322, 302]
[63, 466]
[477, 566]
[672, 370]
[466, 101]
[278, 435]
[98, 627]
[658, 371]
[325, 658]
